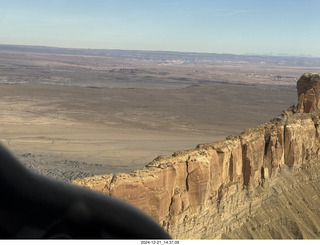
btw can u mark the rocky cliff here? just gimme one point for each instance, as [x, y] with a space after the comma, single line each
[263, 183]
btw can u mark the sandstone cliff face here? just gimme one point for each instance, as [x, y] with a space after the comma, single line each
[236, 188]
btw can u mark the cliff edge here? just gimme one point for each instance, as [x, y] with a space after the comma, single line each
[263, 183]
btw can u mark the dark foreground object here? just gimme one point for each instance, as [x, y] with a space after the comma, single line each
[33, 206]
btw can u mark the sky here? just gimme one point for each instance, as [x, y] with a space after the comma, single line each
[279, 27]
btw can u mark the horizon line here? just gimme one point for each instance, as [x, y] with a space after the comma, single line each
[269, 54]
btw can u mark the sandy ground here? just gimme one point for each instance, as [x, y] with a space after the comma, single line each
[71, 113]
[69, 132]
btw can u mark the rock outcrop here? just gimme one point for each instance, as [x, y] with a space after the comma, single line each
[264, 183]
[308, 88]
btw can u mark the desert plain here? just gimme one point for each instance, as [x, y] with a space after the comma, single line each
[73, 113]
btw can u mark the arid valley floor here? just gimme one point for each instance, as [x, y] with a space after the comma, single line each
[70, 113]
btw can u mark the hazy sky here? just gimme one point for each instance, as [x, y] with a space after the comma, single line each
[226, 26]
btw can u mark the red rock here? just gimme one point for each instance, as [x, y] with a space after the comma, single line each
[203, 193]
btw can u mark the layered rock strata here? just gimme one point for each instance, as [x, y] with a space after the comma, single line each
[235, 188]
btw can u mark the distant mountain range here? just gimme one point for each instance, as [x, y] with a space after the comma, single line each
[186, 57]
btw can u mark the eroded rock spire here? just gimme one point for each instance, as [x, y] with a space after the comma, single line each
[308, 88]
